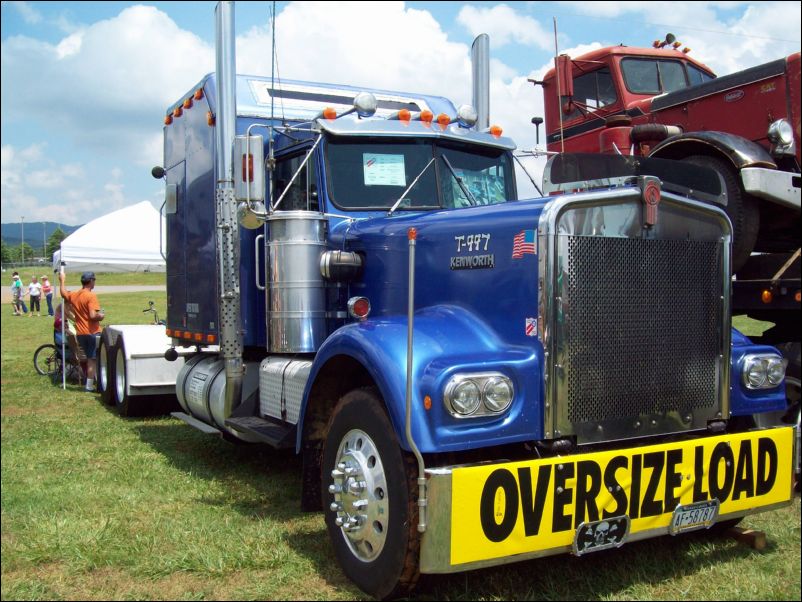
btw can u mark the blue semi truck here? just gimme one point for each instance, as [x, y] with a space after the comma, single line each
[471, 378]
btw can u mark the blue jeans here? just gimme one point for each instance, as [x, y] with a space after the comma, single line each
[49, 298]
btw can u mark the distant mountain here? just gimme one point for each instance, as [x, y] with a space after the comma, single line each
[34, 231]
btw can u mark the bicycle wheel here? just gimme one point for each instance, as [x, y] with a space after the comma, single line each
[45, 359]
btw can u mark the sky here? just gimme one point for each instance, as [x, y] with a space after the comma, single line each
[85, 85]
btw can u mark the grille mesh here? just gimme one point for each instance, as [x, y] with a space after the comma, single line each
[642, 321]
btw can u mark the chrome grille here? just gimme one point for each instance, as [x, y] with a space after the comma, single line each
[641, 324]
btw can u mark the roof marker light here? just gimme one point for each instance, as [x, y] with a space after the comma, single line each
[496, 131]
[426, 116]
[443, 119]
[168, 120]
[329, 113]
[404, 115]
[467, 116]
[767, 296]
[198, 94]
[188, 103]
[178, 112]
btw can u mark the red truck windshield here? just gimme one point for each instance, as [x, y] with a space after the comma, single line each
[373, 174]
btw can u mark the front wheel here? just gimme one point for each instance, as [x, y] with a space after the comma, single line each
[45, 360]
[368, 484]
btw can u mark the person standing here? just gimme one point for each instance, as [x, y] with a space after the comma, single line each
[16, 294]
[88, 316]
[47, 291]
[35, 293]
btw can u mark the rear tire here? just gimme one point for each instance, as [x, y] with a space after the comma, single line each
[105, 369]
[125, 403]
[368, 493]
[741, 208]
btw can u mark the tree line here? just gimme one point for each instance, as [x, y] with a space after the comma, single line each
[15, 253]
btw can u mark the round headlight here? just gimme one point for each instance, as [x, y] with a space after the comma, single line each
[781, 132]
[497, 394]
[465, 398]
[776, 371]
[755, 373]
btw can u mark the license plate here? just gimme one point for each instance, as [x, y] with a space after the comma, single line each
[693, 516]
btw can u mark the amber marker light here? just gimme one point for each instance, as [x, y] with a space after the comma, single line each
[188, 103]
[168, 120]
[496, 131]
[178, 112]
[426, 116]
[168, 332]
[329, 113]
[210, 118]
[427, 402]
[211, 339]
[443, 119]
[412, 234]
[798, 296]
[199, 336]
[766, 296]
[198, 94]
[404, 115]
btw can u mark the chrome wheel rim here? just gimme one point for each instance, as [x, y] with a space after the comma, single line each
[119, 380]
[361, 501]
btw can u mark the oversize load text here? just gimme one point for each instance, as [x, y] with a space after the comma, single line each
[538, 505]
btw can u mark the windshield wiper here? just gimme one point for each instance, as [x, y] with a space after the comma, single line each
[465, 191]
[415, 181]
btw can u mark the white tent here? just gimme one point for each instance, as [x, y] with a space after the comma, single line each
[126, 240]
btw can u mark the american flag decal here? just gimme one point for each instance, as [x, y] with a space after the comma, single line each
[523, 243]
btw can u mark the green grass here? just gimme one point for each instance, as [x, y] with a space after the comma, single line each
[99, 507]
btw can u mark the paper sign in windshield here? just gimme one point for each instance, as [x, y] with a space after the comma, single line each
[383, 170]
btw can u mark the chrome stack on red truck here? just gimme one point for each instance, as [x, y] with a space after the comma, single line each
[470, 378]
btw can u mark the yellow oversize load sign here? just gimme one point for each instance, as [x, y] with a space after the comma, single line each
[500, 510]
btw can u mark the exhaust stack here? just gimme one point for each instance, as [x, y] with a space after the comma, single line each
[226, 206]
[480, 74]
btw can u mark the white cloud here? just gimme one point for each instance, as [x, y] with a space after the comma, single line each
[28, 13]
[504, 25]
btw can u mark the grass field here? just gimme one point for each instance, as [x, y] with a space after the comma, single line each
[99, 507]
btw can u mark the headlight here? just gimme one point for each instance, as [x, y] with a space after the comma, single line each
[497, 394]
[775, 372]
[465, 398]
[781, 132]
[763, 371]
[472, 395]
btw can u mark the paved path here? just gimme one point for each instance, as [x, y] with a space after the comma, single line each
[100, 290]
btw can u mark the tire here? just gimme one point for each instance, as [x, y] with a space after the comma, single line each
[45, 360]
[376, 543]
[741, 208]
[125, 403]
[105, 369]
[793, 392]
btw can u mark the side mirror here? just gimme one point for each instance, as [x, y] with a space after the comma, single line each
[565, 75]
[157, 172]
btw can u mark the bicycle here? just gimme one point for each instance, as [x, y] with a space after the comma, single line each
[47, 361]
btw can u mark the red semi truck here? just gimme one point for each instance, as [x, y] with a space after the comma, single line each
[661, 102]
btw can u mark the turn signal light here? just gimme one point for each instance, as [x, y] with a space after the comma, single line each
[358, 307]
[766, 296]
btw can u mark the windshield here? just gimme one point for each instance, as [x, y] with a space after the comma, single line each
[371, 174]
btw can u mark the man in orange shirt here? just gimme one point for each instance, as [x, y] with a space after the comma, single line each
[88, 316]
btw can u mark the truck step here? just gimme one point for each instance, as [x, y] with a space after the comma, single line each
[195, 423]
[280, 436]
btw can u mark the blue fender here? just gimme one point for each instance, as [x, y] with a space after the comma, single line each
[743, 401]
[447, 340]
